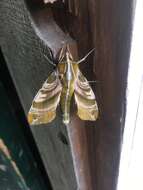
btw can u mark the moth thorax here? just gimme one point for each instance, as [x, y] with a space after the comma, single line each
[69, 72]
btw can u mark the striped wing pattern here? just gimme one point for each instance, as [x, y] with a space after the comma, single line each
[85, 99]
[44, 105]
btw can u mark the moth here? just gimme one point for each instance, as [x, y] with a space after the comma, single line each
[64, 82]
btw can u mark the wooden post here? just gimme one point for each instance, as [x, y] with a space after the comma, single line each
[91, 161]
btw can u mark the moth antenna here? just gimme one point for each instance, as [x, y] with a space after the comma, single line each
[70, 55]
[49, 60]
[61, 56]
[84, 58]
[94, 81]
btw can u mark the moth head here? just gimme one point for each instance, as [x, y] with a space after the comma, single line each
[69, 56]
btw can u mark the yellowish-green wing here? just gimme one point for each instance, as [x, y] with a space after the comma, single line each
[44, 105]
[85, 99]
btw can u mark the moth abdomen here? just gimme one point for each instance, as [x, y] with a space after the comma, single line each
[66, 118]
[66, 95]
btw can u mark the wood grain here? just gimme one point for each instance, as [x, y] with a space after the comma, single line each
[24, 53]
[95, 146]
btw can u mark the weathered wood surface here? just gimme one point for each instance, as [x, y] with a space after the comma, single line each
[16, 134]
[100, 24]
[24, 52]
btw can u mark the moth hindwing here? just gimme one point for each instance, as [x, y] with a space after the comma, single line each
[64, 82]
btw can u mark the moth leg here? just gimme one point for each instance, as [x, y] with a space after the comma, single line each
[50, 61]
[51, 53]
[84, 58]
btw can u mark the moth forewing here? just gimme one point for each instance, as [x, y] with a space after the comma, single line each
[85, 99]
[44, 105]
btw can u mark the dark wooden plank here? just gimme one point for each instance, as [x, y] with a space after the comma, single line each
[113, 30]
[109, 27]
[17, 137]
[24, 52]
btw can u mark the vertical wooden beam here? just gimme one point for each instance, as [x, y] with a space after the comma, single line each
[111, 26]
[95, 146]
